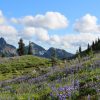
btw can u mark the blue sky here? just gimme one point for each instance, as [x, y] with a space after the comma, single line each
[79, 13]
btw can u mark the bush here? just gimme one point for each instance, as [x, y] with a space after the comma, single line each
[86, 91]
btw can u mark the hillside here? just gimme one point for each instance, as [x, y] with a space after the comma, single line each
[24, 65]
[32, 77]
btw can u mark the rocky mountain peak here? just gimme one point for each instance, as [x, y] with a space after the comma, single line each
[7, 49]
[2, 41]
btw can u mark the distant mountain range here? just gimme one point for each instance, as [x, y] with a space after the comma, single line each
[60, 53]
[10, 50]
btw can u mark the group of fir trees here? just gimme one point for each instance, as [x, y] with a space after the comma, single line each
[21, 48]
[90, 49]
[96, 45]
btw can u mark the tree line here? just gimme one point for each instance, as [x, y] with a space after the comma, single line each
[91, 49]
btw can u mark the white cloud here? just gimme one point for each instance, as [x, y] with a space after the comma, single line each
[31, 32]
[7, 30]
[36, 28]
[9, 33]
[28, 32]
[51, 20]
[2, 19]
[42, 34]
[55, 39]
[72, 41]
[80, 39]
[87, 24]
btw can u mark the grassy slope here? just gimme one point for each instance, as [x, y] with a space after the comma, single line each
[41, 90]
[25, 65]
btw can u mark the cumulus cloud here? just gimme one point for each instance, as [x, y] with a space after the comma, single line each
[87, 24]
[51, 20]
[73, 41]
[36, 28]
[80, 39]
[7, 31]
[42, 34]
[30, 32]
[54, 39]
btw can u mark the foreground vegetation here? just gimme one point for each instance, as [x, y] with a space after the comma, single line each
[29, 77]
[24, 65]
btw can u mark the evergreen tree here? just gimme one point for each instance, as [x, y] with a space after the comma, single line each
[80, 49]
[98, 40]
[93, 45]
[21, 48]
[30, 52]
[53, 57]
[98, 44]
[88, 48]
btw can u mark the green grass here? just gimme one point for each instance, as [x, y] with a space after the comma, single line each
[36, 66]
[25, 65]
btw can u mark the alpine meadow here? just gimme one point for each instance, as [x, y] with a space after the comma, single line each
[49, 50]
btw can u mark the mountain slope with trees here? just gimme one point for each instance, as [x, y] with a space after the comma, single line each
[32, 48]
[91, 49]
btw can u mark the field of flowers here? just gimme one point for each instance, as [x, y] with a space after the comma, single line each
[73, 80]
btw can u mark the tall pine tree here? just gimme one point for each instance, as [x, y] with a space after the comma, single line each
[30, 51]
[80, 49]
[21, 48]
[53, 57]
